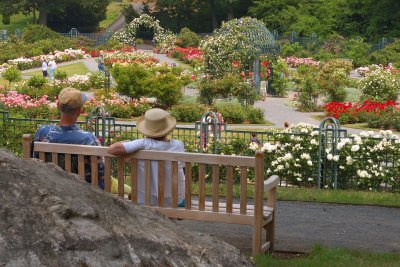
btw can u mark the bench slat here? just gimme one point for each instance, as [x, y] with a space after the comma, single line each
[107, 174]
[174, 184]
[161, 183]
[147, 182]
[81, 166]
[67, 163]
[188, 185]
[134, 182]
[202, 186]
[95, 171]
[120, 164]
[215, 187]
[243, 189]
[229, 188]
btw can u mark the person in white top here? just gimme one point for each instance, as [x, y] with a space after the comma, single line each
[52, 67]
[156, 124]
[44, 68]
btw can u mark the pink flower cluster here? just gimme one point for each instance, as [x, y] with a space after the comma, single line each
[15, 100]
[294, 62]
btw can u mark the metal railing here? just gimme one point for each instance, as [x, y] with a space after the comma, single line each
[322, 173]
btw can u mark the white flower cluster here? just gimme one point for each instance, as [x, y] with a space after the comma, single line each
[369, 158]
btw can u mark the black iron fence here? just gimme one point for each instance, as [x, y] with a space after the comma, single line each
[304, 159]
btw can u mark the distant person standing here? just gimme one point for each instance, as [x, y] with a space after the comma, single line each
[52, 68]
[44, 68]
[100, 63]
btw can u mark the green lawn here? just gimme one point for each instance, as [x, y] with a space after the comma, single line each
[353, 94]
[75, 68]
[114, 9]
[331, 257]
[16, 22]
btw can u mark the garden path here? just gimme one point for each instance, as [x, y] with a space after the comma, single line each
[276, 110]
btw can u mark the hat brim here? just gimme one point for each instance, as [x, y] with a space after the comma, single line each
[141, 126]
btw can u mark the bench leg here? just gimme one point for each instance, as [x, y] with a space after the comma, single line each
[270, 233]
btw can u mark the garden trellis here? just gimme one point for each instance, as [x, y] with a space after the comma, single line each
[239, 42]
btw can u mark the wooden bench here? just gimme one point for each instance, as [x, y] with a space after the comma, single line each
[258, 213]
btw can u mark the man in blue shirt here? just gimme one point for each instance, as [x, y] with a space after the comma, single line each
[70, 102]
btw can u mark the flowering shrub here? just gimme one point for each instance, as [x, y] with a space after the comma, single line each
[36, 61]
[363, 161]
[348, 112]
[294, 62]
[165, 40]
[26, 106]
[118, 107]
[190, 55]
[123, 57]
[228, 44]
[380, 85]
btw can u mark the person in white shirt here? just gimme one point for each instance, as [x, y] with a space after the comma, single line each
[52, 67]
[44, 68]
[156, 124]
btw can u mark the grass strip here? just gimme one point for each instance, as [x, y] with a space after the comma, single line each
[352, 197]
[332, 257]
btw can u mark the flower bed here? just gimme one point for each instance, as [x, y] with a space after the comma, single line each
[348, 112]
[294, 62]
[365, 161]
[43, 107]
[35, 62]
[190, 55]
[129, 57]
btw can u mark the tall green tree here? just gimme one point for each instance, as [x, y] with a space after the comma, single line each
[60, 12]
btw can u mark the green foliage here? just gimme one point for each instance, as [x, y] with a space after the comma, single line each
[131, 81]
[224, 87]
[12, 74]
[37, 81]
[97, 79]
[187, 112]
[390, 54]
[60, 74]
[167, 88]
[279, 80]
[82, 15]
[129, 13]
[37, 32]
[357, 51]
[232, 111]
[388, 120]
[187, 38]
[254, 115]
[380, 85]
[308, 89]
[295, 49]
[333, 78]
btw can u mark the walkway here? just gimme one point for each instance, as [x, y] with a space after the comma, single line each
[301, 225]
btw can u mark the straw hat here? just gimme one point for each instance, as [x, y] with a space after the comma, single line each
[156, 123]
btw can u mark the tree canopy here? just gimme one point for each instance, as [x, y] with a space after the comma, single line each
[59, 15]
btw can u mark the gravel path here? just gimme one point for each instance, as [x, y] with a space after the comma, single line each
[301, 225]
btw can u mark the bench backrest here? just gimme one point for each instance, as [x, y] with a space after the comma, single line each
[232, 165]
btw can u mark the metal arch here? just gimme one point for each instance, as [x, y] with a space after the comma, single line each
[73, 33]
[94, 114]
[333, 126]
[204, 131]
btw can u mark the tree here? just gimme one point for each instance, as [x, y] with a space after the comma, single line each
[61, 12]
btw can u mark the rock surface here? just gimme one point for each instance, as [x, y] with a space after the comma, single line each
[51, 218]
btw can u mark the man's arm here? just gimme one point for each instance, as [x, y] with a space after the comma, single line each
[117, 149]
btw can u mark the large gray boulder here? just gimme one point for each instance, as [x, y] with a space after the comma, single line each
[51, 218]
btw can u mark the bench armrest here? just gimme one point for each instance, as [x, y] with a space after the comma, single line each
[271, 182]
